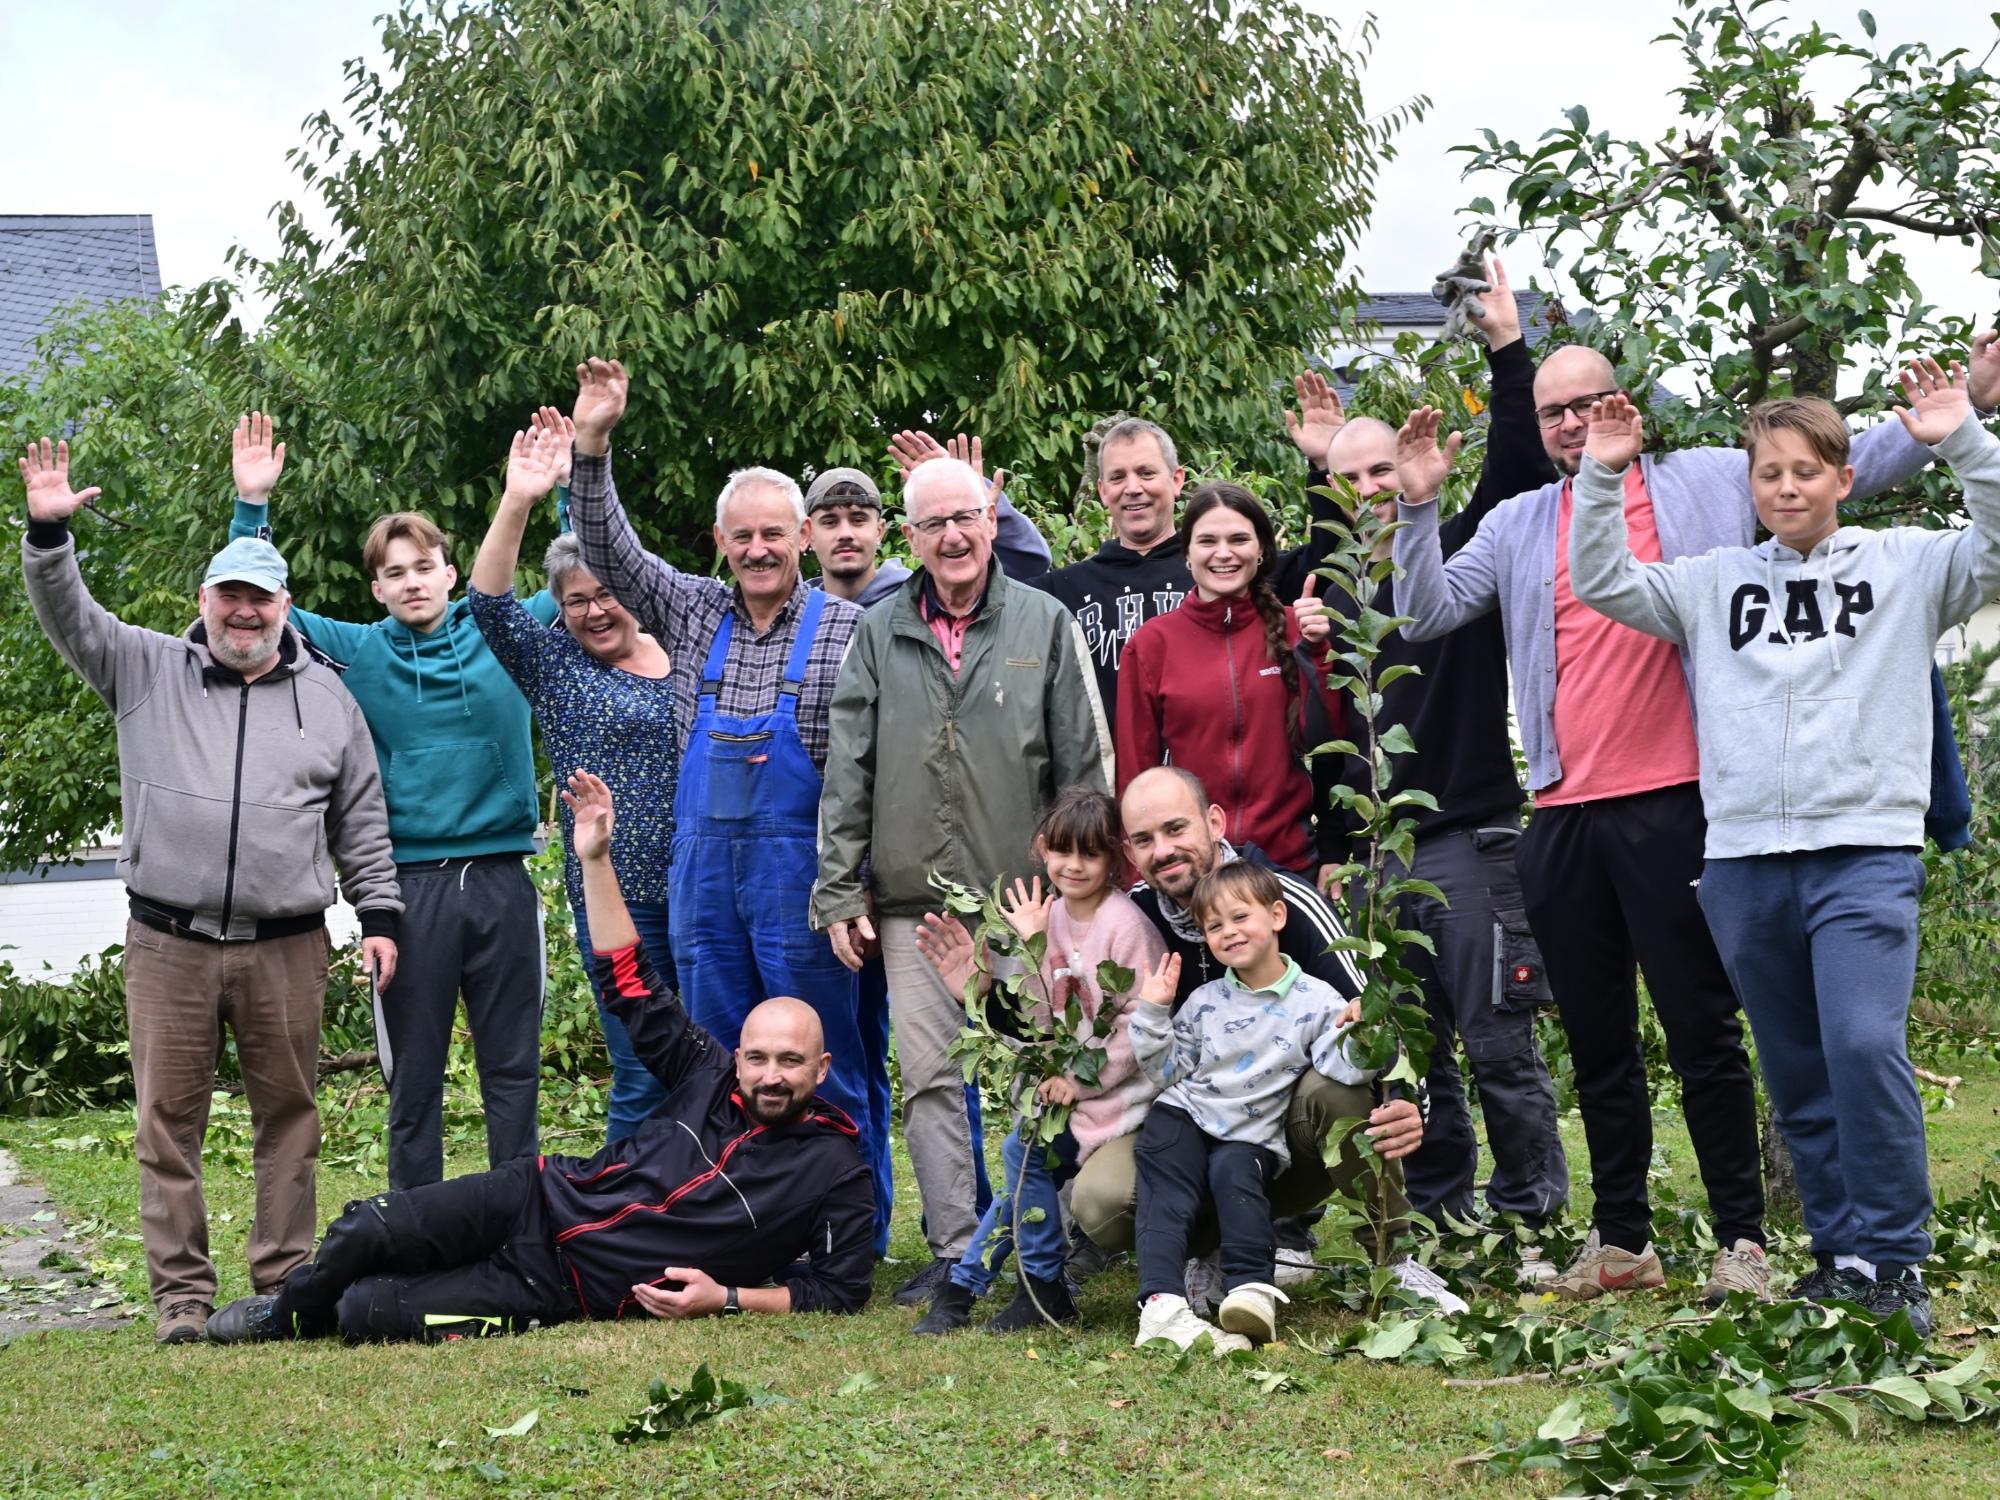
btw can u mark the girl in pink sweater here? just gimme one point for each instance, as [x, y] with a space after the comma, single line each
[1085, 920]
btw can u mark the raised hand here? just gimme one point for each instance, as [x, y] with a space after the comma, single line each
[45, 472]
[1982, 371]
[1421, 465]
[1026, 910]
[1319, 418]
[1616, 432]
[549, 419]
[531, 464]
[601, 389]
[1314, 622]
[1161, 985]
[909, 449]
[1938, 401]
[949, 947]
[1495, 310]
[589, 802]
[256, 462]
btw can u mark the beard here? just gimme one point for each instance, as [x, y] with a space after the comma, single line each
[774, 1106]
[240, 658]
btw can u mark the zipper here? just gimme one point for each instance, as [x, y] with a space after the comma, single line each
[1235, 717]
[235, 808]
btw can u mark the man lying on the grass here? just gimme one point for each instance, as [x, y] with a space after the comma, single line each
[743, 1192]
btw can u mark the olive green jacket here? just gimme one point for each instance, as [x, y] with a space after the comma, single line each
[928, 772]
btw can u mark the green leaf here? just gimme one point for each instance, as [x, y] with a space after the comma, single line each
[1392, 1340]
[519, 1428]
[1838, 1410]
[1564, 1423]
[1901, 1396]
[859, 1381]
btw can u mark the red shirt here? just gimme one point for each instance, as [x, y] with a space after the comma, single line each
[1623, 724]
[1197, 688]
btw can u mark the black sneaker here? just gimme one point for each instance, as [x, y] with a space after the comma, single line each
[1023, 1315]
[247, 1320]
[921, 1287]
[1826, 1282]
[950, 1310]
[1086, 1259]
[1898, 1287]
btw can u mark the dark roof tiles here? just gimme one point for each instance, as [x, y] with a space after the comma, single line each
[48, 261]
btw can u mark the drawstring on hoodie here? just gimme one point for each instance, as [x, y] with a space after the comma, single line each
[298, 716]
[417, 667]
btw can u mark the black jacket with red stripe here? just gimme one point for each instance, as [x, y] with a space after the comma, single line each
[704, 1184]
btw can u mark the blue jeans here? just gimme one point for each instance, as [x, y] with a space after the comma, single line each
[635, 1092]
[1822, 949]
[1033, 1179]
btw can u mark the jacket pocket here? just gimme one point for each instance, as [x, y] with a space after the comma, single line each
[1520, 982]
[1740, 760]
[176, 847]
[282, 868]
[455, 789]
[1827, 767]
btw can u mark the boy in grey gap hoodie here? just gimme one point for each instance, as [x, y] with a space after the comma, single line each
[1812, 655]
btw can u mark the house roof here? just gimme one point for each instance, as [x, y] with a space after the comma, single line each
[50, 260]
[1398, 310]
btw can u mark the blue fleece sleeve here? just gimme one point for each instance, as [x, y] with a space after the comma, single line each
[1022, 550]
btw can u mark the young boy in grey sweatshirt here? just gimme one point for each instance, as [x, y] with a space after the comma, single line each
[1812, 654]
[1228, 1060]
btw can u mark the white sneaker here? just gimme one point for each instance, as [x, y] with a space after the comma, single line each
[1168, 1317]
[1533, 1272]
[1296, 1267]
[1204, 1283]
[1252, 1310]
[1422, 1282]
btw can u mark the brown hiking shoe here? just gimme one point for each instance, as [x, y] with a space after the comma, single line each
[1600, 1268]
[182, 1322]
[1740, 1267]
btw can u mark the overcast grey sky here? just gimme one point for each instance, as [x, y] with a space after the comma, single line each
[185, 111]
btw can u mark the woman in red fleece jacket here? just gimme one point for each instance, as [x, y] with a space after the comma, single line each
[1214, 687]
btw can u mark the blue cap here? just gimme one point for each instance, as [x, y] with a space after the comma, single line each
[248, 559]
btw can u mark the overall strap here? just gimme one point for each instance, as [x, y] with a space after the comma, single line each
[718, 652]
[795, 664]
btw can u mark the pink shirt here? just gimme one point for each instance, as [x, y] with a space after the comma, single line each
[1623, 724]
[1118, 931]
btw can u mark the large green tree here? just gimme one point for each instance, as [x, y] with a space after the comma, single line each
[801, 225]
[1753, 251]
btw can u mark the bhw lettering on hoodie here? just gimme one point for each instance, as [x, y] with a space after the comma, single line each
[1810, 676]
[1115, 592]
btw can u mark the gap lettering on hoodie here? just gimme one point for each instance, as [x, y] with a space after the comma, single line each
[1750, 606]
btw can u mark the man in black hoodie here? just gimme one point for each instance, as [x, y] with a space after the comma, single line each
[742, 1193]
[1140, 571]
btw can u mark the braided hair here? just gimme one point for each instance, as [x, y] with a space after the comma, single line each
[1263, 597]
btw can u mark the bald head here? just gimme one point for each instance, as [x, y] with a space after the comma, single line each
[1568, 375]
[1170, 829]
[1363, 453]
[781, 1058]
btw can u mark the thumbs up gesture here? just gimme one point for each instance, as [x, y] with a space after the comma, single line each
[1314, 623]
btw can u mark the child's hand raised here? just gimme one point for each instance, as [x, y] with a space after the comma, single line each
[1163, 983]
[1616, 433]
[1026, 910]
[1938, 401]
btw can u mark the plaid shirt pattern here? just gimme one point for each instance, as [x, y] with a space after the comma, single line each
[683, 611]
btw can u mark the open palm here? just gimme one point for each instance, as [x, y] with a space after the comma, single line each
[1938, 400]
[45, 473]
[1421, 464]
[257, 464]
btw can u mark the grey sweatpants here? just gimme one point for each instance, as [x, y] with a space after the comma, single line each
[471, 926]
[1483, 946]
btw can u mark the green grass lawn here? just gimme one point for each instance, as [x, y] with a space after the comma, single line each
[114, 1414]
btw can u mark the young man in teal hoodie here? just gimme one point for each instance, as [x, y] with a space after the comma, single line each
[452, 737]
[1812, 655]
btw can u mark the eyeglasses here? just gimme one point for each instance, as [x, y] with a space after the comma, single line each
[964, 520]
[1552, 416]
[582, 604]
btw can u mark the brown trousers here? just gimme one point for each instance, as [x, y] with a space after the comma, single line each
[179, 993]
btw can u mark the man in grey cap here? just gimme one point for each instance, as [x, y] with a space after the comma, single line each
[246, 774]
[846, 524]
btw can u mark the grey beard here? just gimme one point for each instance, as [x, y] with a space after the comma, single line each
[242, 661]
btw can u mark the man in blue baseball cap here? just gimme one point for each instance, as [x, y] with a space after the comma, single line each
[247, 775]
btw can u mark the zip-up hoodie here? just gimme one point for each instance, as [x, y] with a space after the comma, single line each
[238, 799]
[1198, 688]
[1115, 592]
[703, 1184]
[1811, 673]
[452, 733]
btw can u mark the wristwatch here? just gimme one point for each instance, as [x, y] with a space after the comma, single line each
[730, 1306]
